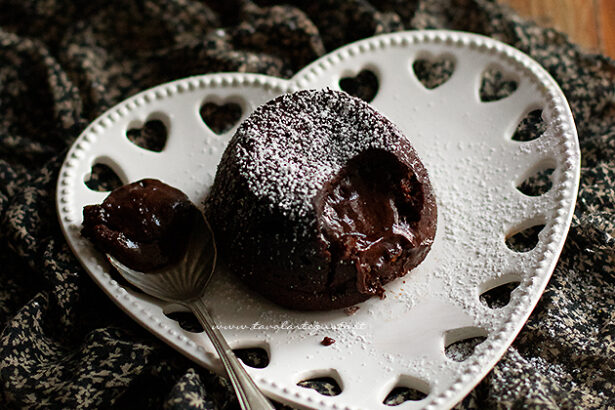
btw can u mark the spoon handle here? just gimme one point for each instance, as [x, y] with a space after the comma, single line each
[250, 397]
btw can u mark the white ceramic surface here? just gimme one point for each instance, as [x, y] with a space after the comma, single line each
[474, 166]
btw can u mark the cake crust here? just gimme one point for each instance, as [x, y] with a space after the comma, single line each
[319, 200]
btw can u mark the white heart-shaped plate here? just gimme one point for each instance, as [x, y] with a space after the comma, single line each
[474, 167]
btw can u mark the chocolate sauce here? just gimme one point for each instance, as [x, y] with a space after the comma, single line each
[145, 225]
[351, 310]
[327, 341]
[368, 219]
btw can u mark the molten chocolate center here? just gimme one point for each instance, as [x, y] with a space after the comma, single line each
[368, 217]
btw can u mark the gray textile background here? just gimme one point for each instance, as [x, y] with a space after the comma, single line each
[62, 63]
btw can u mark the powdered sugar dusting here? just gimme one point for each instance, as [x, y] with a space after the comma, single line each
[286, 158]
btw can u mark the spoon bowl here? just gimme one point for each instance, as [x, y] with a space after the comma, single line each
[184, 283]
[185, 280]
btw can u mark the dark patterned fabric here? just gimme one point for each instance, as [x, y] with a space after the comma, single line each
[64, 344]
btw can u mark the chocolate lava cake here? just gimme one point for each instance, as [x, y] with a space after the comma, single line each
[319, 201]
[145, 225]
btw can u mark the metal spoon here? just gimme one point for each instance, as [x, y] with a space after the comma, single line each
[184, 283]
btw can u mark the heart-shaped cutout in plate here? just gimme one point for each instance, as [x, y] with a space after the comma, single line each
[406, 342]
[151, 135]
[364, 85]
[496, 83]
[102, 178]
[433, 71]
[220, 116]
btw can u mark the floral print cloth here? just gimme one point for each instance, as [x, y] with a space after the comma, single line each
[64, 344]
